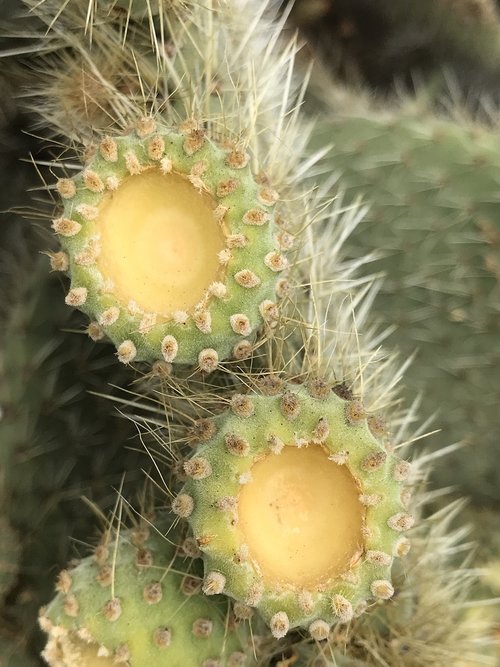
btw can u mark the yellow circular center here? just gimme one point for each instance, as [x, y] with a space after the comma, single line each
[159, 242]
[301, 517]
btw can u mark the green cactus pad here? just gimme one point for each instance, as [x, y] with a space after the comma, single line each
[136, 601]
[172, 246]
[297, 505]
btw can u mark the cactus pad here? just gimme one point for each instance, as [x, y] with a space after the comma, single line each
[297, 505]
[137, 602]
[172, 246]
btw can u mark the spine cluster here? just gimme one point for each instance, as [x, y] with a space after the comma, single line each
[278, 500]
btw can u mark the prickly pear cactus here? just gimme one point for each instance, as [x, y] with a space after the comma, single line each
[433, 220]
[297, 505]
[137, 601]
[172, 246]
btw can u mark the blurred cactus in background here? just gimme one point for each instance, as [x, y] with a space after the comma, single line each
[349, 208]
[434, 221]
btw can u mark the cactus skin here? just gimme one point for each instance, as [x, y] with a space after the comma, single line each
[431, 620]
[264, 423]
[433, 193]
[230, 310]
[135, 602]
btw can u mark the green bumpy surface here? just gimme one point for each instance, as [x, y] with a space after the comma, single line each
[263, 426]
[227, 317]
[434, 216]
[137, 602]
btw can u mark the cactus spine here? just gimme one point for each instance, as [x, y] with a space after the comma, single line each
[312, 338]
[429, 620]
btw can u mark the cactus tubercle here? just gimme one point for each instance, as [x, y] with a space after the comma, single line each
[137, 601]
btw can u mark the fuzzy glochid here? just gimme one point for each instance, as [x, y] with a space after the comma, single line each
[173, 247]
[298, 505]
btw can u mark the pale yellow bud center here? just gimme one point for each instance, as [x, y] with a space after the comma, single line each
[301, 517]
[159, 242]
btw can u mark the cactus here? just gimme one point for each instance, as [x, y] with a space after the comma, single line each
[428, 621]
[171, 246]
[225, 70]
[297, 505]
[137, 601]
[433, 220]
[205, 163]
[254, 107]
[485, 524]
